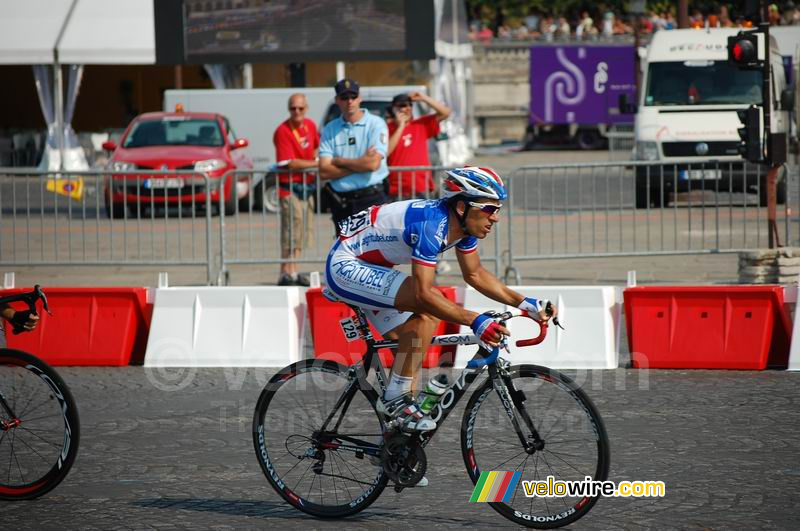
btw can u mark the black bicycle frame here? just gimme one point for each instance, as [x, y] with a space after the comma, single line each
[440, 411]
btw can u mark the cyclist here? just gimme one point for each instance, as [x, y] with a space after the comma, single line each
[19, 318]
[359, 270]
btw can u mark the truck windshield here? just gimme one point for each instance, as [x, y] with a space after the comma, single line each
[701, 83]
[174, 132]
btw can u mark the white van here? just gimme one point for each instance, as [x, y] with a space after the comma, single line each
[687, 112]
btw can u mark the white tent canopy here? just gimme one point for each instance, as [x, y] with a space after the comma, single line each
[94, 32]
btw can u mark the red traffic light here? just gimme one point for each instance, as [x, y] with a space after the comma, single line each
[742, 50]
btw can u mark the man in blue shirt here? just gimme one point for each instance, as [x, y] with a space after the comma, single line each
[352, 155]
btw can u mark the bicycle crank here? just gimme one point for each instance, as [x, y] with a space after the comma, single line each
[403, 460]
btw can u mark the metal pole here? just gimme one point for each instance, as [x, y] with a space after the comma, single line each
[59, 86]
[771, 181]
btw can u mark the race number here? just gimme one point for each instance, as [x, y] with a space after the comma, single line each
[350, 329]
[355, 223]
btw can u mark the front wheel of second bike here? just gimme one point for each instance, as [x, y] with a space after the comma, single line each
[39, 427]
[564, 437]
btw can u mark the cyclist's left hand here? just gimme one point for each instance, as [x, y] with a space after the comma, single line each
[538, 309]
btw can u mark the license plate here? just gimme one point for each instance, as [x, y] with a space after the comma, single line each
[700, 175]
[163, 183]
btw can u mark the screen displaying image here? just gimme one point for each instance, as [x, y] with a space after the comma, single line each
[222, 28]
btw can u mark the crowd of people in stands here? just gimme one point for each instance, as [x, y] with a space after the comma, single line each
[608, 24]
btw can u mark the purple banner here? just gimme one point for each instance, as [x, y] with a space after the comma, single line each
[581, 84]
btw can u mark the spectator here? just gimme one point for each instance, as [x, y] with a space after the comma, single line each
[352, 155]
[485, 35]
[669, 19]
[547, 28]
[608, 24]
[296, 148]
[774, 15]
[789, 15]
[725, 17]
[408, 144]
[585, 28]
[22, 318]
[520, 33]
[504, 33]
[564, 31]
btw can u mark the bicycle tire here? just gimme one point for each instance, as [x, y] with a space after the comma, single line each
[32, 386]
[271, 416]
[567, 404]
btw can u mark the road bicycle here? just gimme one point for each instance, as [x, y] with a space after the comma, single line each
[327, 451]
[39, 426]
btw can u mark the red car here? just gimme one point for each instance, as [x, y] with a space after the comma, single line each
[202, 142]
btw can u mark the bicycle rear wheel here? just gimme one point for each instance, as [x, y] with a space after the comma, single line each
[571, 445]
[39, 427]
[318, 436]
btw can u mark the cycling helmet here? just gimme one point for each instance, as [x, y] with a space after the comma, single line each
[474, 182]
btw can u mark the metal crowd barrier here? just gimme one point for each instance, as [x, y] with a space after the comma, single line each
[555, 211]
[251, 233]
[631, 208]
[97, 218]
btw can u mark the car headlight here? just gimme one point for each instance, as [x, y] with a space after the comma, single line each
[209, 165]
[646, 151]
[119, 165]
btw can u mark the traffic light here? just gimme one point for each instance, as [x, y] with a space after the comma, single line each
[750, 134]
[743, 50]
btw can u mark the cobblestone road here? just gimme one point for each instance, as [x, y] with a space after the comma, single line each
[724, 442]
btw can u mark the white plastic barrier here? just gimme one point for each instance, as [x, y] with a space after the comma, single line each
[226, 327]
[590, 314]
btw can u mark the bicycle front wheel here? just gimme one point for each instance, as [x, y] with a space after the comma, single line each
[564, 438]
[39, 427]
[318, 437]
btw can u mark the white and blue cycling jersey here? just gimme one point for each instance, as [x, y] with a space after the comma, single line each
[360, 265]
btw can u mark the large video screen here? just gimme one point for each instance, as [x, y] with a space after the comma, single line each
[221, 31]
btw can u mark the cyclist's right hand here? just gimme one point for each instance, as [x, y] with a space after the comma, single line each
[540, 310]
[24, 321]
[489, 332]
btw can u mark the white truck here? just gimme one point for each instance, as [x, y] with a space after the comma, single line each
[687, 111]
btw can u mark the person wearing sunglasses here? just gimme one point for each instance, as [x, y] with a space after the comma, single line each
[352, 155]
[360, 270]
[296, 147]
[408, 144]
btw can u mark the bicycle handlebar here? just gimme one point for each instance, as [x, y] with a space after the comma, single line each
[542, 325]
[30, 298]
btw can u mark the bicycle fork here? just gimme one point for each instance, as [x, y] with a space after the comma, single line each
[513, 401]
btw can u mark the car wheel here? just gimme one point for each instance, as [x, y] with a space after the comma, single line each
[114, 210]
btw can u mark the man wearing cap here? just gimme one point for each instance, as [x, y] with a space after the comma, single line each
[352, 155]
[408, 145]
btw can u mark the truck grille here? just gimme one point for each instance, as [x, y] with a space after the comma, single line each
[690, 149]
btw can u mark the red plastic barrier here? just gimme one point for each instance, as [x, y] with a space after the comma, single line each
[330, 343]
[89, 326]
[719, 327]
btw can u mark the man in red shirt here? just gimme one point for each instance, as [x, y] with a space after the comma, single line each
[296, 148]
[408, 144]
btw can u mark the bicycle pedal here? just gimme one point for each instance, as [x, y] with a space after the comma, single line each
[398, 489]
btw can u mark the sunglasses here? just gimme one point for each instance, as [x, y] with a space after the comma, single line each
[297, 108]
[403, 105]
[486, 208]
[347, 97]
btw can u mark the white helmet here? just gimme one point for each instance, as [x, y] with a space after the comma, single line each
[474, 182]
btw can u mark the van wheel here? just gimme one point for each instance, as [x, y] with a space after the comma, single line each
[589, 139]
[643, 199]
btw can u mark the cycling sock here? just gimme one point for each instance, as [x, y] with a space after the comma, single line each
[398, 385]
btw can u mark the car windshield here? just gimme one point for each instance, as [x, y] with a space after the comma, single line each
[701, 83]
[174, 131]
